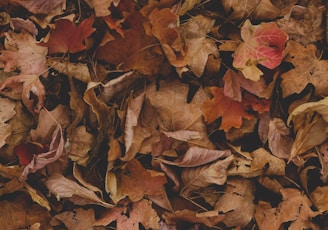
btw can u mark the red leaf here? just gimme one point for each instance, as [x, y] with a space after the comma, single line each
[66, 37]
[232, 112]
[263, 44]
[26, 151]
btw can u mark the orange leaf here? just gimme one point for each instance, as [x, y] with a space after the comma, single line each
[66, 37]
[137, 181]
[232, 112]
[259, 105]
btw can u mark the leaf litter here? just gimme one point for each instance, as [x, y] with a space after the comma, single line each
[121, 114]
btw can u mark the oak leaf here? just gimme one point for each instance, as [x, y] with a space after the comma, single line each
[136, 181]
[232, 112]
[140, 212]
[67, 37]
[262, 44]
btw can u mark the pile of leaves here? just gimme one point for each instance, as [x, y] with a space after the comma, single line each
[163, 114]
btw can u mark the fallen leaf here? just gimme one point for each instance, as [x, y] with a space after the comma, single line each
[231, 111]
[62, 187]
[308, 68]
[294, 208]
[136, 181]
[39, 7]
[319, 198]
[256, 9]
[101, 7]
[25, 152]
[6, 113]
[77, 219]
[235, 81]
[237, 203]
[140, 212]
[202, 176]
[187, 5]
[67, 37]
[262, 44]
[196, 156]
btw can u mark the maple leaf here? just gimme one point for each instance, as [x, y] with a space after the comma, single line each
[141, 212]
[67, 37]
[136, 181]
[262, 44]
[231, 111]
[259, 105]
[308, 70]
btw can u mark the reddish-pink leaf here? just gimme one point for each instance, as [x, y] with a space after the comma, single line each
[263, 44]
[26, 151]
[66, 37]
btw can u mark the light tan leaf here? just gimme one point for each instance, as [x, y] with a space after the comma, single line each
[308, 69]
[142, 212]
[7, 111]
[101, 7]
[199, 177]
[237, 203]
[81, 143]
[320, 198]
[256, 9]
[197, 156]
[187, 5]
[77, 219]
[262, 163]
[62, 187]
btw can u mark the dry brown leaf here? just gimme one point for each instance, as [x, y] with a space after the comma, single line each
[295, 208]
[6, 113]
[320, 199]
[39, 7]
[196, 156]
[77, 219]
[101, 7]
[141, 212]
[136, 181]
[81, 143]
[262, 163]
[256, 9]
[308, 69]
[237, 203]
[62, 187]
[202, 176]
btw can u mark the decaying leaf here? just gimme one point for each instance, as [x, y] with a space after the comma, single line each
[294, 208]
[140, 212]
[262, 44]
[202, 176]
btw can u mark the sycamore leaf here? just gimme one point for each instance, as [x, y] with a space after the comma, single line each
[294, 208]
[262, 44]
[7, 111]
[40, 6]
[308, 69]
[231, 111]
[67, 37]
[202, 176]
[77, 219]
[257, 9]
[136, 181]
[197, 156]
[234, 81]
[140, 212]
[237, 202]
[62, 187]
